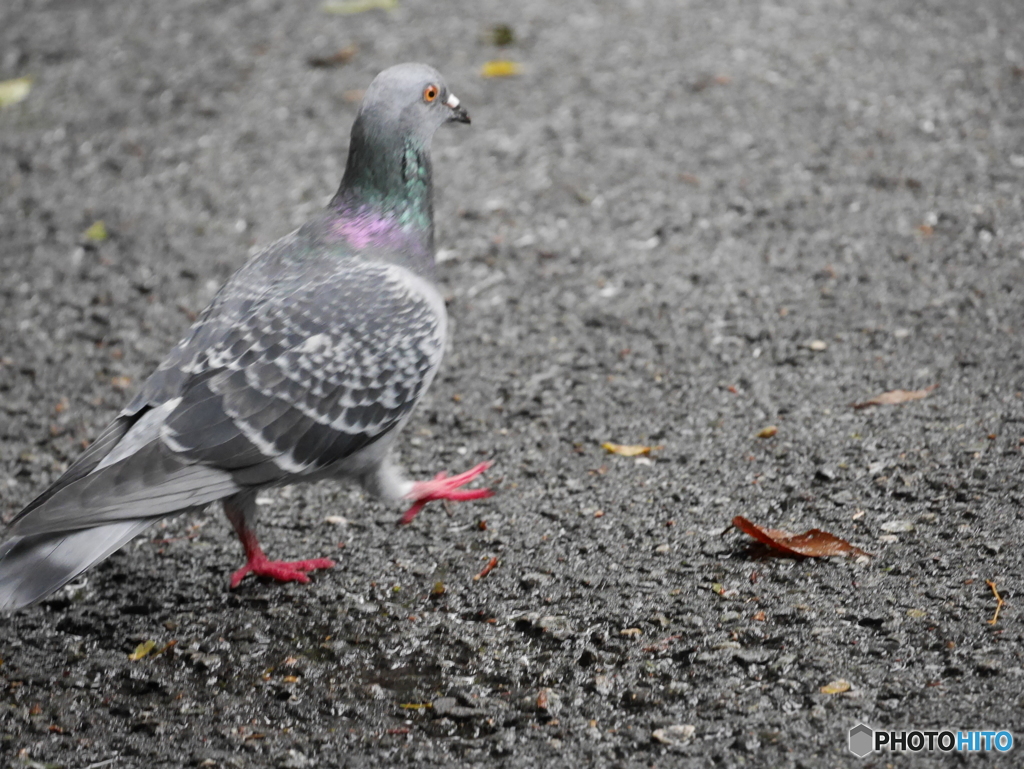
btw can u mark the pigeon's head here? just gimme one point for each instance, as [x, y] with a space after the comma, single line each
[411, 100]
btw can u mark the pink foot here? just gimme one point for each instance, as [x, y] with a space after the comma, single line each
[282, 571]
[443, 487]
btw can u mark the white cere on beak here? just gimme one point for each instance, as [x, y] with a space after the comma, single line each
[452, 101]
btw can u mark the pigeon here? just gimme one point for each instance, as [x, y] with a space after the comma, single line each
[305, 366]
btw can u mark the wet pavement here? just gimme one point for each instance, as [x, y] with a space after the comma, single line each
[680, 224]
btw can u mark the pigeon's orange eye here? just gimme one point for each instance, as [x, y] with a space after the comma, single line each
[430, 93]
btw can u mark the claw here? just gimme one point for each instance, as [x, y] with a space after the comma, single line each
[282, 571]
[443, 487]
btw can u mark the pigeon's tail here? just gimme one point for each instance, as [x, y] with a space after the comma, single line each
[105, 499]
[33, 566]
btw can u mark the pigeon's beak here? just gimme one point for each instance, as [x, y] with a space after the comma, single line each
[459, 114]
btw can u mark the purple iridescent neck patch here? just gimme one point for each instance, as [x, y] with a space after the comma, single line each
[365, 228]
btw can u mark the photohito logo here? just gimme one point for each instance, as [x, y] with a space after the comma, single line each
[864, 740]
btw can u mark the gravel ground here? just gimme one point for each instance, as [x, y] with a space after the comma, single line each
[680, 224]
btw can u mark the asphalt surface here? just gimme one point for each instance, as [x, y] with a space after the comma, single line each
[680, 224]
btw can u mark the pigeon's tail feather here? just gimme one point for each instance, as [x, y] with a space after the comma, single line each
[33, 566]
[146, 485]
[85, 464]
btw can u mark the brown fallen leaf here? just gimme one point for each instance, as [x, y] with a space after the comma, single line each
[170, 645]
[491, 565]
[836, 687]
[767, 432]
[336, 59]
[811, 544]
[894, 397]
[629, 451]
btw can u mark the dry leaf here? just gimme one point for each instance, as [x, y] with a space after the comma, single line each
[348, 7]
[336, 59]
[121, 382]
[836, 687]
[97, 232]
[811, 544]
[629, 451]
[491, 565]
[999, 601]
[13, 91]
[502, 35]
[500, 68]
[142, 650]
[893, 397]
[767, 432]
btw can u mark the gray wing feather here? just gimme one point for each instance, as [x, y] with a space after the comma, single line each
[310, 373]
[149, 484]
[32, 567]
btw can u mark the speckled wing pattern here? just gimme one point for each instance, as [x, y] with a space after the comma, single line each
[284, 377]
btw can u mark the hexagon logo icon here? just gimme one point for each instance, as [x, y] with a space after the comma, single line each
[862, 738]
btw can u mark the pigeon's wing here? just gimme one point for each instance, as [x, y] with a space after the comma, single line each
[279, 379]
[306, 374]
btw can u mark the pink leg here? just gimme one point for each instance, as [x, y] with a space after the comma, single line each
[240, 511]
[443, 487]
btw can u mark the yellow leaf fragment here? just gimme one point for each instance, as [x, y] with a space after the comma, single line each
[500, 68]
[627, 450]
[415, 705]
[836, 687]
[767, 432]
[916, 613]
[631, 631]
[13, 91]
[142, 650]
[348, 7]
[97, 232]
